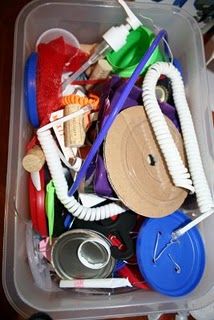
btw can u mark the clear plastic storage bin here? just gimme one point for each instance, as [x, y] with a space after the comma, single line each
[88, 20]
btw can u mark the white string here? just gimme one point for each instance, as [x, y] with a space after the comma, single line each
[71, 116]
[156, 28]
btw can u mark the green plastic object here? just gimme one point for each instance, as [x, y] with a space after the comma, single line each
[125, 60]
[49, 206]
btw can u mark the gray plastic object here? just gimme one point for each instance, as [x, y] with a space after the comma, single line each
[206, 313]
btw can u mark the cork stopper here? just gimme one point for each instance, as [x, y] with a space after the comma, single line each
[74, 132]
[34, 160]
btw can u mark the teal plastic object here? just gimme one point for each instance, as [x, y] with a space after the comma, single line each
[125, 60]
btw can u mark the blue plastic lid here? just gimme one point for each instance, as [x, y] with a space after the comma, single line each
[30, 89]
[179, 268]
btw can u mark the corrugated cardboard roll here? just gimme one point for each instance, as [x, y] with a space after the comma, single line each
[136, 168]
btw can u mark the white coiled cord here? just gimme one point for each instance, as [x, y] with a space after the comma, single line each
[49, 147]
[177, 170]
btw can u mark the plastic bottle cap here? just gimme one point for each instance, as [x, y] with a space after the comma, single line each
[179, 269]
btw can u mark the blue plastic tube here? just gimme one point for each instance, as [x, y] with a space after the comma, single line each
[103, 132]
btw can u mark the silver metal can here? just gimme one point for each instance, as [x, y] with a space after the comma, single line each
[82, 254]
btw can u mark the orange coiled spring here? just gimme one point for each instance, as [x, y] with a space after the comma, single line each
[92, 100]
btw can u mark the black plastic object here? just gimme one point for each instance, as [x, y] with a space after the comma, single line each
[60, 212]
[59, 218]
[120, 228]
[205, 10]
[40, 316]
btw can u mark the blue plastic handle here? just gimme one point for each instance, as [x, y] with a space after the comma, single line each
[103, 132]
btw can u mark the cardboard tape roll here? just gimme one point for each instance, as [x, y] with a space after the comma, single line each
[136, 168]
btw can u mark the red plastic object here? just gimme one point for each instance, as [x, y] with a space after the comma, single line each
[134, 277]
[129, 271]
[37, 206]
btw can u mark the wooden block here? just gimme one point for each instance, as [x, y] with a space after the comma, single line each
[88, 48]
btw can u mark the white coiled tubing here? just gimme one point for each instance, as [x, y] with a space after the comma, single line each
[49, 147]
[177, 170]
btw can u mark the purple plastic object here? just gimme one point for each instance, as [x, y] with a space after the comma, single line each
[102, 186]
[171, 113]
[112, 92]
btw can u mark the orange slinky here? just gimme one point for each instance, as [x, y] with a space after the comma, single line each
[92, 100]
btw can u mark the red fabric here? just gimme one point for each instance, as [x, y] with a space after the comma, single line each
[55, 57]
[75, 61]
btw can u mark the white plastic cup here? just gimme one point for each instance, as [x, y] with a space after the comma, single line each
[55, 33]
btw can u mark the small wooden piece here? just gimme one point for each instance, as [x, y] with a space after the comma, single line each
[34, 159]
[101, 71]
[74, 133]
[88, 48]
